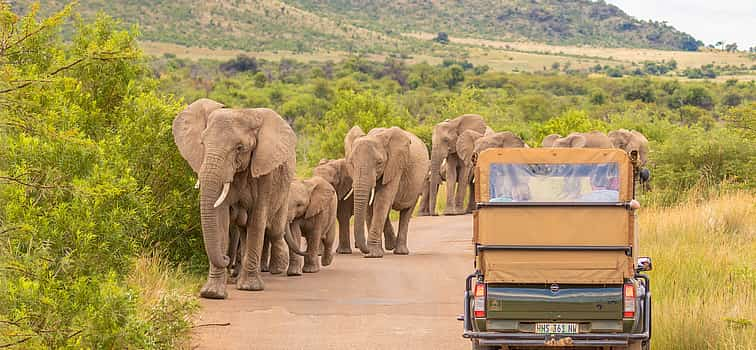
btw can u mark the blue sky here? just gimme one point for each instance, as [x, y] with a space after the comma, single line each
[707, 20]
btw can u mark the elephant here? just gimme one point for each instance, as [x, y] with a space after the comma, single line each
[335, 172]
[593, 139]
[312, 212]
[245, 159]
[444, 141]
[471, 143]
[629, 141]
[387, 166]
[423, 209]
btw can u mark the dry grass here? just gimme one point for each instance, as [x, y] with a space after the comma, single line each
[704, 278]
[684, 59]
[166, 299]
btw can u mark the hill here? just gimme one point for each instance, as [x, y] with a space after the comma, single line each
[571, 22]
[375, 26]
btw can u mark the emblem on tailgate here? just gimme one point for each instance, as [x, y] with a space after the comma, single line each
[554, 288]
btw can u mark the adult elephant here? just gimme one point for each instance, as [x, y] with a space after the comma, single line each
[444, 143]
[335, 172]
[633, 141]
[593, 139]
[424, 207]
[471, 143]
[312, 213]
[246, 160]
[387, 167]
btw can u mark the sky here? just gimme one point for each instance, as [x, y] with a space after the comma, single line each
[707, 20]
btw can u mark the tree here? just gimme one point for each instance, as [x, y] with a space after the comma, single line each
[442, 38]
[731, 47]
[454, 75]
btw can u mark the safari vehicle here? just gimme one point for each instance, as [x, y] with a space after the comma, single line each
[556, 252]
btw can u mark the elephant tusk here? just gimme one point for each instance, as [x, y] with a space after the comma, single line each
[372, 196]
[196, 186]
[349, 194]
[226, 187]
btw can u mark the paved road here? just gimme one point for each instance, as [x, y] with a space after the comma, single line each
[398, 302]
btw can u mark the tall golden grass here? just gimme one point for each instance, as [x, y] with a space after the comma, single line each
[704, 277]
[166, 299]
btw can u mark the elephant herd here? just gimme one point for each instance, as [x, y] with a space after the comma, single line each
[254, 211]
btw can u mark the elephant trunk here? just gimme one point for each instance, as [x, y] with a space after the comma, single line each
[437, 157]
[210, 190]
[362, 189]
[293, 245]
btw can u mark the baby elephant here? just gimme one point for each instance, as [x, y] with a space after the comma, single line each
[312, 213]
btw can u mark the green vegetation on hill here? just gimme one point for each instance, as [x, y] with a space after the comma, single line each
[375, 25]
[266, 25]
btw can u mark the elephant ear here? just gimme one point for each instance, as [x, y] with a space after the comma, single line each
[321, 196]
[397, 143]
[354, 133]
[576, 141]
[466, 145]
[489, 131]
[188, 127]
[549, 140]
[276, 142]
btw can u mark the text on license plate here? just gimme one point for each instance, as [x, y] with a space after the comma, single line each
[556, 328]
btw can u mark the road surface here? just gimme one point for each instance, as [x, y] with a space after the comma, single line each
[398, 302]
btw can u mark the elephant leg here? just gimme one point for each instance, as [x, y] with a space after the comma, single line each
[401, 238]
[384, 197]
[327, 243]
[471, 198]
[424, 207]
[295, 261]
[311, 263]
[343, 215]
[451, 186]
[250, 279]
[279, 251]
[215, 287]
[233, 250]
[462, 185]
[265, 255]
[388, 235]
[369, 216]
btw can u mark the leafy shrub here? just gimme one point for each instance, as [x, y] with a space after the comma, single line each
[89, 179]
[363, 109]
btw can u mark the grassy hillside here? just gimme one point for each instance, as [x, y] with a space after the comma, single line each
[266, 25]
[553, 21]
[375, 25]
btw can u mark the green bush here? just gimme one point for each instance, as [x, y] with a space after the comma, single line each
[90, 181]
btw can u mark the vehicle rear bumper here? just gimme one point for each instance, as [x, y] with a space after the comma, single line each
[584, 339]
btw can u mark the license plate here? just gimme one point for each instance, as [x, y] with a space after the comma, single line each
[556, 328]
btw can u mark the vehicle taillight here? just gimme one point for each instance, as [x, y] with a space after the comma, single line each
[479, 303]
[629, 292]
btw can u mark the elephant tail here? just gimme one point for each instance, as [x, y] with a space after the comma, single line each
[293, 246]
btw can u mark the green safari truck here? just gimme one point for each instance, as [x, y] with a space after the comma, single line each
[556, 252]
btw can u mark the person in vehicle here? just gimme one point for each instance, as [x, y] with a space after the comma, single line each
[604, 185]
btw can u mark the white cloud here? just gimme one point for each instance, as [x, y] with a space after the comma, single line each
[707, 20]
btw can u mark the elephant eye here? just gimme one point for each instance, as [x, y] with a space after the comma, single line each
[239, 147]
